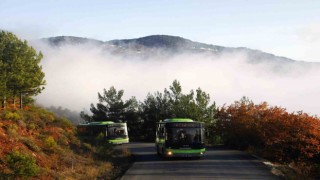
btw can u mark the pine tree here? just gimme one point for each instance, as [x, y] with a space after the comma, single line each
[111, 106]
[21, 74]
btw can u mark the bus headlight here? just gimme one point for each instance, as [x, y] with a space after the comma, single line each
[169, 153]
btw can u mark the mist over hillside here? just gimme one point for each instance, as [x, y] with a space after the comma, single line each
[78, 68]
[145, 47]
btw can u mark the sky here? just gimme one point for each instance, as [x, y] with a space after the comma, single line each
[289, 28]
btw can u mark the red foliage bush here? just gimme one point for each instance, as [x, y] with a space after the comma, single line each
[271, 131]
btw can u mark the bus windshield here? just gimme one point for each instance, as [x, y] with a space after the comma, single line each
[184, 135]
[117, 132]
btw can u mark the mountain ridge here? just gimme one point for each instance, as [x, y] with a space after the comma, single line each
[146, 46]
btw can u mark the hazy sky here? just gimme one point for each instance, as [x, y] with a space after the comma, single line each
[289, 28]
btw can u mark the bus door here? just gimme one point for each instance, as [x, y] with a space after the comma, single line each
[161, 135]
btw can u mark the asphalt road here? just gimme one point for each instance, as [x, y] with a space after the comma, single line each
[219, 163]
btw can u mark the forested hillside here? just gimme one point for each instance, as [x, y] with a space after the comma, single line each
[35, 143]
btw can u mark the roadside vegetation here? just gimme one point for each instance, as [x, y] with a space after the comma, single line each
[290, 140]
[36, 144]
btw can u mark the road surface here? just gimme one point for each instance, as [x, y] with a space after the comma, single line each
[219, 163]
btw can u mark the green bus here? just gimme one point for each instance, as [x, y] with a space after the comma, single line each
[115, 133]
[180, 137]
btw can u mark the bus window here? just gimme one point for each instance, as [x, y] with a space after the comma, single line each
[116, 131]
[197, 137]
[184, 135]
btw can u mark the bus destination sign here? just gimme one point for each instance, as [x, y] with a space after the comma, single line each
[184, 125]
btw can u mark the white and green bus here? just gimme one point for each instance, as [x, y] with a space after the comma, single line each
[115, 133]
[180, 137]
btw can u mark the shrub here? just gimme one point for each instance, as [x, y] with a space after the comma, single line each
[12, 116]
[105, 151]
[22, 124]
[63, 140]
[50, 143]
[32, 117]
[214, 140]
[63, 123]
[31, 145]
[50, 117]
[31, 126]
[3, 113]
[12, 130]
[44, 115]
[87, 147]
[22, 165]
[277, 134]
[100, 138]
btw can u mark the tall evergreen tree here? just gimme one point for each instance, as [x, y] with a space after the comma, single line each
[111, 106]
[154, 108]
[21, 74]
[205, 111]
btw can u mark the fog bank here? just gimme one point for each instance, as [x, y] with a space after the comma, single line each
[75, 74]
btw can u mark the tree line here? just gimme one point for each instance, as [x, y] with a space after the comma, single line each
[141, 117]
[269, 131]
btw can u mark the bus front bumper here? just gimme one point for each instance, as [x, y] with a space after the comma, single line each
[118, 141]
[185, 152]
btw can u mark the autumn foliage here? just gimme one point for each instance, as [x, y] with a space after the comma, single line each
[36, 144]
[270, 131]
